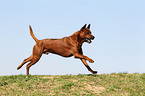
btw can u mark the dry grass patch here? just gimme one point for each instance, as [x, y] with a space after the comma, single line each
[94, 89]
[48, 77]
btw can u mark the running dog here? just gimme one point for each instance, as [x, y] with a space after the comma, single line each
[66, 47]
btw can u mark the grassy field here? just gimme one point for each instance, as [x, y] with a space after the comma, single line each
[120, 84]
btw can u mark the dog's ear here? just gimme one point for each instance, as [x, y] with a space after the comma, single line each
[89, 26]
[83, 27]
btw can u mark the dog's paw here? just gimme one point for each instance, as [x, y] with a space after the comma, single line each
[18, 68]
[95, 72]
[91, 61]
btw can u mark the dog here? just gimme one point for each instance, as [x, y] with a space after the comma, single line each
[66, 47]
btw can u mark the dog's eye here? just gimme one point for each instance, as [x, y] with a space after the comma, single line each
[88, 32]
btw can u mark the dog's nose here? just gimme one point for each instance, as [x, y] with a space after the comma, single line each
[93, 37]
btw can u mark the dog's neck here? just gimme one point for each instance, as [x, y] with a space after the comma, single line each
[75, 38]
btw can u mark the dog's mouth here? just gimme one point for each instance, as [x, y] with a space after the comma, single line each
[88, 40]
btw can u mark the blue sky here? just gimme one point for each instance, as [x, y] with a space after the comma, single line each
[118, 25]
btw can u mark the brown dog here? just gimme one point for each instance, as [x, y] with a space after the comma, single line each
[66, 47]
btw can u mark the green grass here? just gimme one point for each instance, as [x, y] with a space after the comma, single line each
[120, 84]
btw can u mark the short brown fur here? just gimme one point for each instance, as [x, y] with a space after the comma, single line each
[66, 47]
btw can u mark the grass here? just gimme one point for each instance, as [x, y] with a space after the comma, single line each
[120, 84]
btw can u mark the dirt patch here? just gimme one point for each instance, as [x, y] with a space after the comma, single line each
[48, 77]
[95, 89]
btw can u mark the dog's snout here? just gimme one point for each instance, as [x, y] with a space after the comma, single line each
[93, 37]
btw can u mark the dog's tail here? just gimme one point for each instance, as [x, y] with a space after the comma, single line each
[31, 32]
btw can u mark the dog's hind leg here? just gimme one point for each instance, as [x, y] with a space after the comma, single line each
[33, 61]
[25, 61]
[37, 53]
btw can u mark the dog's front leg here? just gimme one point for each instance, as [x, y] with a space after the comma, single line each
[77, 55]
[88, 67]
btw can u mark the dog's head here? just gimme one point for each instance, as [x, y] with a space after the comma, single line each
[85, 34]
